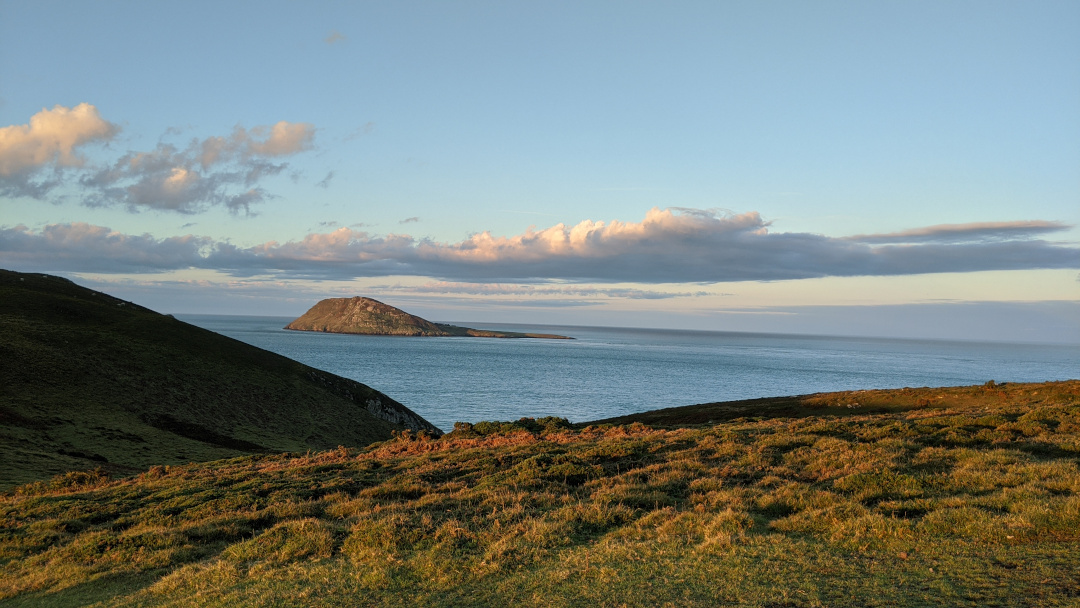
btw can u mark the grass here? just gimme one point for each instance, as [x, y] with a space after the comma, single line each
[90, 380]
[963, 496]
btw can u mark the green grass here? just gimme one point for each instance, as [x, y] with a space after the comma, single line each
[90, 380]
[963, 496]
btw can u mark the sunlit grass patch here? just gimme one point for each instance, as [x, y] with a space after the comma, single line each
[288, 541]
[895, 507]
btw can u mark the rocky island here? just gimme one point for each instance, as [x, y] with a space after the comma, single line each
[361, 315]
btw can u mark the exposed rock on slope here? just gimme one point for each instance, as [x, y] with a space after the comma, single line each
[364, 316]
[90, 380]
[361, 315]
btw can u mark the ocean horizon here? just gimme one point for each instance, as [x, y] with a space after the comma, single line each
[609, 371]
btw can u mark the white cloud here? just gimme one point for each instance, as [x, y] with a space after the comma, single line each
[282, 139]
[52, 137]
[594, 240]
[216, 171]
[50, 140]
[666, 247]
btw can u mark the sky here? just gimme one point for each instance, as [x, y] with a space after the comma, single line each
[901, 169]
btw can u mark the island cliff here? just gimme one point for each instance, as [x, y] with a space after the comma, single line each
[361, 315]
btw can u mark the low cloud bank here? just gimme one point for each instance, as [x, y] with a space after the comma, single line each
[964, 233]
[81, 247]
[668, 246]
[533, 291]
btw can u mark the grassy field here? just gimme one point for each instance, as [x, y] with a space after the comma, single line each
[959, 496]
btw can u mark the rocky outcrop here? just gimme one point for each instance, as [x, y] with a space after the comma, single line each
[376, 403]
[361, 315]
[364, 316]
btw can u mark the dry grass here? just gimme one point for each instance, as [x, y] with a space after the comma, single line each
[965, 496]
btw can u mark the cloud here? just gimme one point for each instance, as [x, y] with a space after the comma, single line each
[499, 289]
[51, 137]
[666, 247]
[216, 171]
[84, 247]
[50, 140]
[410, 220]
[325, 182]
[334, 37]
[959, 233]
[282, 139]
[222, 171]
[362, 130]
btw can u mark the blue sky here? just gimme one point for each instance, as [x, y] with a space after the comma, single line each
[882, 168]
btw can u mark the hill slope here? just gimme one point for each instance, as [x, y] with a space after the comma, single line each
[361, 315]
[91, 380]
[963, 496]
[881, 401]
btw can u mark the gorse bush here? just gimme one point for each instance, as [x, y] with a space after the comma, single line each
[973, 500]
[548, 424]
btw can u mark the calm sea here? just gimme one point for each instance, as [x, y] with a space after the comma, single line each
[613, 371]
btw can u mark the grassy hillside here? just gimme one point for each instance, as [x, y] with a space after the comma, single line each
[821, 404]
[90, 380]
[924, 497]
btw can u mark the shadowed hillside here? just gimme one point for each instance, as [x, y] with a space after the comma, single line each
[90, 380]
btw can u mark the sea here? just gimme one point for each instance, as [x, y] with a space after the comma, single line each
[610, 371]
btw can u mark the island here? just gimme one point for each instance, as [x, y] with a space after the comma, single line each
[360, 315]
